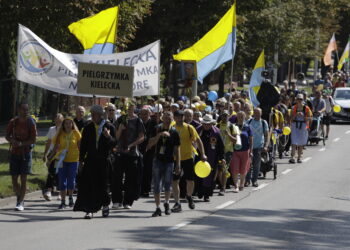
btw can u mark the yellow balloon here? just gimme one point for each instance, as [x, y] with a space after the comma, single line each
[202, 169]
[202, 107]
[337, 108]
[228, 174]
[286, 130]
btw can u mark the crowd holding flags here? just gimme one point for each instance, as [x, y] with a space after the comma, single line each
[97, 33]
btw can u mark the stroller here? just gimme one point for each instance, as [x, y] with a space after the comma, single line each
[316, 133]
[268, 161]
[281, 144]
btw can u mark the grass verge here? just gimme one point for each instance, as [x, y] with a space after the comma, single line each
[39, 170]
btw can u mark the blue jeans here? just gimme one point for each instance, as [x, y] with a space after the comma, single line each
[66, 175]
[162, 173]
[254, 170]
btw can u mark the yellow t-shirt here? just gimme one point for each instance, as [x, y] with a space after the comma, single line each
[72, 140]
[227, 141]
[188, 134]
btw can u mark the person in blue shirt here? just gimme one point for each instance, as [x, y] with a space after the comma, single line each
[259, 130]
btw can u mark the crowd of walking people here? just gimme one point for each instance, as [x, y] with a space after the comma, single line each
[118, 153]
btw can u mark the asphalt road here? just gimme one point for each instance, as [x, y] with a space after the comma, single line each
[307, 207]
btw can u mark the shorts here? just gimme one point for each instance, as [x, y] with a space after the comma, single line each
[188, 170]
[326, 120]
[162, 173]
[21, 164]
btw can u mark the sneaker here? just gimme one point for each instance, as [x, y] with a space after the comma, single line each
[235, 190]
[105, 211]
[62, 206]
[127, 206]
[247, 183]
[71, 202]
[158, 212]
[117, 205]
[292, 161]
[176, 208]
[299, 160]
[255, 184]
[206, 199]
[88, 216]
[47, 195]
[221, 193]
[20, 206]
[326, 137]
[240, 188]
[166, 209]
[190, 202]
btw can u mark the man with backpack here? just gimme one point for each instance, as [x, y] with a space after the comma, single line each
[21, 134]
[259, 129]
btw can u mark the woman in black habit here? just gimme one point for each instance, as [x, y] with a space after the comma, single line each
[98, 138]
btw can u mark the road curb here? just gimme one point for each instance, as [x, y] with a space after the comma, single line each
[12, 200]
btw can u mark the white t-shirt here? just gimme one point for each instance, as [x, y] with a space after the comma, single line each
[329, 104]
[50, 135]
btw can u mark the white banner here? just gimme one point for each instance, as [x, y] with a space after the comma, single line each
[40, 65]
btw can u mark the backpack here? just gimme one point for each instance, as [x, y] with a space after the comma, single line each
[262, 121]
[295, 108]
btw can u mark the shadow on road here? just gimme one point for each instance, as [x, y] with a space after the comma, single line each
[294, 228]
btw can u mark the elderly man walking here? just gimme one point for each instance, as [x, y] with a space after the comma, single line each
[259, 129]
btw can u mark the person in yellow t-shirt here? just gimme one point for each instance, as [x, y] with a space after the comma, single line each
[67, 144]
[188, 136]
[228, 132]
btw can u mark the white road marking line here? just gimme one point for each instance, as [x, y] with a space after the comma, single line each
[178, 226]
[307, 159]
[261, 186]
[336, 139]
[226, 204]
[322, 149]
[287, 171]
[347, 132]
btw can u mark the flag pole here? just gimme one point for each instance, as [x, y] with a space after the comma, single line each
[232, 61]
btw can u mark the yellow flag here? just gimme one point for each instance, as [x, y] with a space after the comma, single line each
[214, 48]
[97, 33]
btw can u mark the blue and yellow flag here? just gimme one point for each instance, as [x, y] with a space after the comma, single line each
[256, 79]
[215, 48]
[97, 33]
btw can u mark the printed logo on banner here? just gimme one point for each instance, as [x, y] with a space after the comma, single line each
[35, 58]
